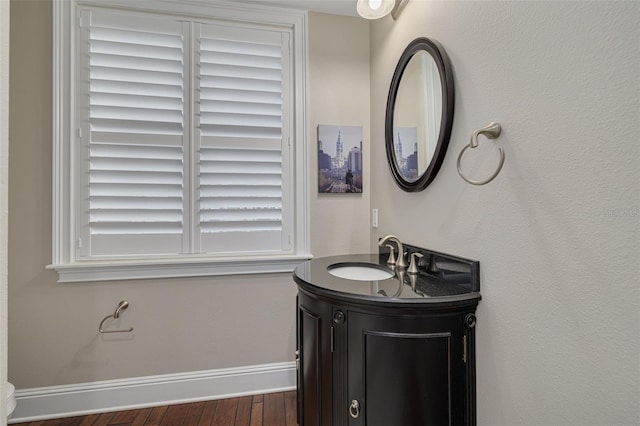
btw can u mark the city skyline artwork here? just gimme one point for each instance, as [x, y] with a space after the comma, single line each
[339, 159]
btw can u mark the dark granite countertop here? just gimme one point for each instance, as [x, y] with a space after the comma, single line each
[444, 279]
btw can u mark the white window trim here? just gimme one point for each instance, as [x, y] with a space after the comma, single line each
[63, 253]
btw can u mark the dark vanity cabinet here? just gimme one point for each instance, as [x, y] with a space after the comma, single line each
[374, 360]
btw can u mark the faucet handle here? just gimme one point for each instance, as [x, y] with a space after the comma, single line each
[392, 256]
[413, 268]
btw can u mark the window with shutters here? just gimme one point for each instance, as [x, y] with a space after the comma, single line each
[180, 140]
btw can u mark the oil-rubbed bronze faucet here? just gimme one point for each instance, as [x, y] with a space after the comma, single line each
[401, 262]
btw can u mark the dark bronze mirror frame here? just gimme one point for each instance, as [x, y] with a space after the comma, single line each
[443, 64]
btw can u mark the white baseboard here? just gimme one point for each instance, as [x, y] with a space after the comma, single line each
[114, 395]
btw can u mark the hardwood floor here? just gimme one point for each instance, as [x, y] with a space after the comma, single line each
[273, 409]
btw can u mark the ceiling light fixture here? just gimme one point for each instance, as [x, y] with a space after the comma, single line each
[375, 9]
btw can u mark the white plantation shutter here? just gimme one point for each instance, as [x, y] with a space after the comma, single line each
[149, 133]
[241, 137]
[132, 125]
[179, 139]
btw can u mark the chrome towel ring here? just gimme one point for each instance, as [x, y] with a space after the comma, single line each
[121, 307]
[491, 131]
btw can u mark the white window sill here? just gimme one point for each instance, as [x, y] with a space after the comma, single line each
[173, 268]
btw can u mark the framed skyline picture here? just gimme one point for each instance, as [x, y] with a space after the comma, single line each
[339, 159]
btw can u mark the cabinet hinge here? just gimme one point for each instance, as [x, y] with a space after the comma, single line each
[464, 349]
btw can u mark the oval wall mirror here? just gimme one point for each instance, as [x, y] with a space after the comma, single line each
[419, 114]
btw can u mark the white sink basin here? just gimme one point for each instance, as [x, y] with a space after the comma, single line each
[359, 272]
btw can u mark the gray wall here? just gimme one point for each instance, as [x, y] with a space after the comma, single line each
[339, 95]
[181, 325]
[4, 198]
[556, 233]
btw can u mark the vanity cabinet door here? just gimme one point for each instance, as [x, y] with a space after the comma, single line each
[314, 362]
[407, 370]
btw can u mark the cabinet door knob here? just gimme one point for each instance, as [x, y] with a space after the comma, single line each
[470, 320]
[354, 409]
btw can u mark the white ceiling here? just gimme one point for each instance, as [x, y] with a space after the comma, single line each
[335, 7]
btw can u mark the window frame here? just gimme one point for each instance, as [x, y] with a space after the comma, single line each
[64, 260]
